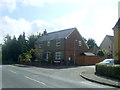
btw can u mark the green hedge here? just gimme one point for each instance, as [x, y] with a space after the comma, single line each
[110, 70]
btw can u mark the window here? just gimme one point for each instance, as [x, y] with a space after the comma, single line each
[110, 47]
[40, 56]
[48, 43]
[40, 45]
[80, 43]
[58, 55]
[58, 43]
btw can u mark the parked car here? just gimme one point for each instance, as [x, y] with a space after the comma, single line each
[108, 61]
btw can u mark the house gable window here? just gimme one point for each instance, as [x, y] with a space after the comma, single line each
[48, 43]
[80, 43]
[58, 55]
[58, 43]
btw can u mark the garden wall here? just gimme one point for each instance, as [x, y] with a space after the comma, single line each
[88, 60]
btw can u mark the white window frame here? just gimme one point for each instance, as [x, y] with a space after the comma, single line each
[80, 43]
[58, 55]
[58, 43]
[48, 43]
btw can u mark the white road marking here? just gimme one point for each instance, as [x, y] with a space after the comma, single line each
[12, 71]
[35, 80]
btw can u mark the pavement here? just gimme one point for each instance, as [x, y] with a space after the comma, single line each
[91, 76]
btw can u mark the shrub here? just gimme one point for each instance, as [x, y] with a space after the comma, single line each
[24, 57]
[28, 56]
[108, 70]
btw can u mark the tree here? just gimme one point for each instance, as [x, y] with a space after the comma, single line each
[100, 53]
[32, 39]
[5, 49]
[13, 47]
[91, 42]
[10, 49]
[23, 44]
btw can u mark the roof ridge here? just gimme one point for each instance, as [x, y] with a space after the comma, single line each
[61, 30]
[109, 35]
[56, 35]
[117, 25]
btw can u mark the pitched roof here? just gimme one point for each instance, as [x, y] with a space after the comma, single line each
[94, 49]
[107, 36]
[56, 35]
[110, 37]
[117, 25]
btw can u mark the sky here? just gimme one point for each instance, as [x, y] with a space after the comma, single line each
[93, 18]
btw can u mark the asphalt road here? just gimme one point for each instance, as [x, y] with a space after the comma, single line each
[36, 77]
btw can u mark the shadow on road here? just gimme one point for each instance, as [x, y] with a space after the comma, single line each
[47, 67]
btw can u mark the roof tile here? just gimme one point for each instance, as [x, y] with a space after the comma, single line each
[56, 35]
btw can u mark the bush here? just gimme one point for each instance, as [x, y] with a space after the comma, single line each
[108, 70]
[24, 57]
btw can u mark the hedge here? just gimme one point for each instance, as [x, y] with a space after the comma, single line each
[110, 70]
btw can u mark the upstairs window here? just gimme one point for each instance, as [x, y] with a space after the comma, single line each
[48, 43]
[58, 55]
[58, 43]
[80, 43]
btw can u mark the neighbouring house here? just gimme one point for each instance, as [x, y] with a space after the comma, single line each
[94, 49]
[107, 45]
[116, 52]
[62, 46]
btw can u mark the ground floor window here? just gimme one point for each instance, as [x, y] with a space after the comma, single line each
[58, 55]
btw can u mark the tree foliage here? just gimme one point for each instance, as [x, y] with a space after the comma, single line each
[14, 47]
[91, 42]
[100, 53]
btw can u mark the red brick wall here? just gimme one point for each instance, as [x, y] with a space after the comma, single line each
[71, 45]
[88, 60]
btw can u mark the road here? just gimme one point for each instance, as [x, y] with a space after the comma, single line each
[36, 77]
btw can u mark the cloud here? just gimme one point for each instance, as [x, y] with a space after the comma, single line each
[93, 20]
[105, 19]
[9, 5]
[119, 9]
[37, 3]
[12, 26]
[16, 27]
[73, 19]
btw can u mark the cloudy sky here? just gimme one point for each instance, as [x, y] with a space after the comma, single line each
[93, 18]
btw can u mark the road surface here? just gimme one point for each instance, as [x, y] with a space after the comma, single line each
[36, 77]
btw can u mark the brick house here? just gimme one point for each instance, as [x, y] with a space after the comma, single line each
[64, 45]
